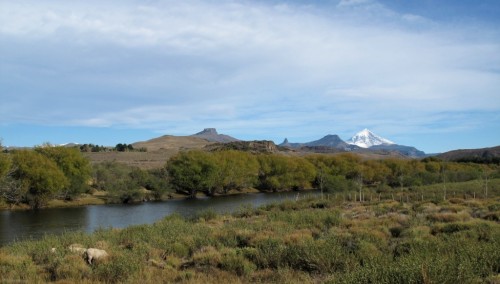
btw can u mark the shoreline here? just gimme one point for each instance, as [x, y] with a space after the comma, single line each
[99, 198]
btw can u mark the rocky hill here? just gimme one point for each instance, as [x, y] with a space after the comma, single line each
[211, 135]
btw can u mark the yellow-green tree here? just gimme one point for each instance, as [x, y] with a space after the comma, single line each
[74, 165]
[40, 177]
[9, 187]
[281, 173]
[236, 170]
[193, 171]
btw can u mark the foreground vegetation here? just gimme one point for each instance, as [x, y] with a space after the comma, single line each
[395, 238]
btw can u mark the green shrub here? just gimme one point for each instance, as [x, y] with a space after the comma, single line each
[205, 215]
[116, 268]
[233, 260]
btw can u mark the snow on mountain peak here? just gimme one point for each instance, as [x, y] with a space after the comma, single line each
[365, 139]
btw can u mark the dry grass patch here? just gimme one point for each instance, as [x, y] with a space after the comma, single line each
[207, 256]
[376, 235]
[73, 267]
[18, 268]
[456, 200]
[449, 217]
[299, 236]
[417, 232]
[261, 236]
[283, 275]
[428, 208]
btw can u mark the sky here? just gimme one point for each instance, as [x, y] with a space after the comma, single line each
[424, 73]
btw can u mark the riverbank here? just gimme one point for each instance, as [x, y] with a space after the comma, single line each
[84, 200]
[100, 198]
[469, 189]
[306, 241]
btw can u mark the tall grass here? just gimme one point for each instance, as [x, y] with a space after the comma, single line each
[305, 241]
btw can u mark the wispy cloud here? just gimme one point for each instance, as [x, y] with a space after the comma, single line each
[251, 67]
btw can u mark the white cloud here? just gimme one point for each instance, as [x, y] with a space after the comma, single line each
[240, 64]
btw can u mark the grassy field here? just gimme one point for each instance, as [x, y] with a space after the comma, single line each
[159, 150]
[311, 240]
[143, 160]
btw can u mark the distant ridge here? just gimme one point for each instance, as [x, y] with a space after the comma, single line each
[211, 135]
[364, 141]
[408, 151]
[331, 141]
[482, 155]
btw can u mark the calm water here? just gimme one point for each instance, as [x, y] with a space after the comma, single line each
[18, 225]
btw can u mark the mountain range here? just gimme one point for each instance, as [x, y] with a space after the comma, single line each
[362, 142]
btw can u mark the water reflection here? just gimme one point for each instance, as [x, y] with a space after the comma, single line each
[19, 225]
[34, 224]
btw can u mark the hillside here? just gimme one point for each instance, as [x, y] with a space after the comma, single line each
[482, 155]
[170, 142]
[329, 141]
[408, 151]
[159, 150]
[246, 146]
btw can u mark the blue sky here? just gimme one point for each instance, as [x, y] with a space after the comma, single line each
[424, 73]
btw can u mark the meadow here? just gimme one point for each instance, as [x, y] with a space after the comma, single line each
[414, 235]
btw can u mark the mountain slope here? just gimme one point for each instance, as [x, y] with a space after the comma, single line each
[286, 143]
[170, 142]
[408, 151]
[482, 155]
[329, 141]
[366, 139]
[211, 135]
[332, 141]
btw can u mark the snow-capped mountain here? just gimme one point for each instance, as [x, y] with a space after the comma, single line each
[366, 139]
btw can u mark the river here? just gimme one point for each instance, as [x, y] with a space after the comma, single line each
[21, 225]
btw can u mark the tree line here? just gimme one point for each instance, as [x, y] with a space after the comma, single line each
[120, 147]
[224, 171]
[36, 176]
